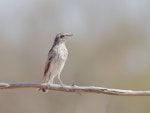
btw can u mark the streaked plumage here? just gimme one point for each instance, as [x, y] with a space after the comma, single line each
[56, 59]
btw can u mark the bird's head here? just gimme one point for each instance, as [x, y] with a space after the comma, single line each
[62, 37]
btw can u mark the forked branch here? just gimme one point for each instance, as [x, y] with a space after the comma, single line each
[75, 88]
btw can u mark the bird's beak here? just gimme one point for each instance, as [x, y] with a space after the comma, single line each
[67, 35]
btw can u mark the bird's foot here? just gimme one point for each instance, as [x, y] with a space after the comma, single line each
[61, 84]
[45, 84]
[74, 85]
[49, 85]
[43, 89]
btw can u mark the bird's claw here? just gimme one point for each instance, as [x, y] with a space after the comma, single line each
[74, 85]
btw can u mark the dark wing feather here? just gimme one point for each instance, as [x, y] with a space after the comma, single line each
[48, 61]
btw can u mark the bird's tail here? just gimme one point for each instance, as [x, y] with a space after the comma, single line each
[43, 90]
[45, 80]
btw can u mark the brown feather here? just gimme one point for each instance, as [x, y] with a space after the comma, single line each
[47, 64]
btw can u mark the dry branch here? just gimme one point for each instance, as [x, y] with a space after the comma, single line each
[75, 88]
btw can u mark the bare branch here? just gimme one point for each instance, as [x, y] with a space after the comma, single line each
[75, 88]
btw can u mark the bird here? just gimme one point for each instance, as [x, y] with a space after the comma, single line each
[56, 59]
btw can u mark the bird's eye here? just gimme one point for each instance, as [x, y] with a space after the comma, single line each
[61, 36]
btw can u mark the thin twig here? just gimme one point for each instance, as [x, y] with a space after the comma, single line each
[75, 88]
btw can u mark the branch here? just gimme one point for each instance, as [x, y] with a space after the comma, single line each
[75, 88]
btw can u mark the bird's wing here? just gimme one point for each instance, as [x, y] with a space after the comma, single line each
[48, 61]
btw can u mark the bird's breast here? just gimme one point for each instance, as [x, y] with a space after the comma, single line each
[59, 60]
[62, 53]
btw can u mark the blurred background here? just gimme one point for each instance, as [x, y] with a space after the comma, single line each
[110, 48]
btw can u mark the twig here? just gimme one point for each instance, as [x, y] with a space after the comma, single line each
[75, 88]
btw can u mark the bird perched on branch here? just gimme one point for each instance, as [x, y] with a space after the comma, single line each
[56, 59]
